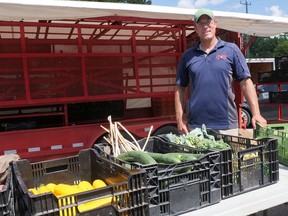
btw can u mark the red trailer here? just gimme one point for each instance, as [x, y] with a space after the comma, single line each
[62, 75]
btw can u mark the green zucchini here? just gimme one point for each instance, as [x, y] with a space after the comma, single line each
[165, 158]
[137, 156]
[190, 156]
[175, 155]
[158, 157]
[187, 157]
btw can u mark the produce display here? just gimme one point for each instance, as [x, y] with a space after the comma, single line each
[158, 175]
[179, 179]
[133, 152]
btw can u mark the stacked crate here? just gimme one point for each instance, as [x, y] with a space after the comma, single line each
[250, 164]
[7, 196]
[128, 195]
[171, 192]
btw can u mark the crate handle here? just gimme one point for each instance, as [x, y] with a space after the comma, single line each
[56, 168]
[266, 141]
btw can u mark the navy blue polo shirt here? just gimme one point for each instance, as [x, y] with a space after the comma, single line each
[211, 97]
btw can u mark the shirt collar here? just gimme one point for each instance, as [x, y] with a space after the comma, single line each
[219, 44]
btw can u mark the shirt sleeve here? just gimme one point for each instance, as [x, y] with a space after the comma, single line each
[182, 75]
[241, 70]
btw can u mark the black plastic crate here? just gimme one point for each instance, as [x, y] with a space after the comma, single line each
[278, 97]
[130, 196]
[264, 77]
[282, 62]
[7, 196]
[278, 75]
[171, 193]
[239, 172]
[253, 164]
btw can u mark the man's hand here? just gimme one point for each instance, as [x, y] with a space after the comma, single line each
[251, 97]
[258, 119]
[179, 109]
[182, 126]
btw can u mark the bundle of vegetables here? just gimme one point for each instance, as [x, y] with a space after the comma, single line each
[198, 138]
[118, 142]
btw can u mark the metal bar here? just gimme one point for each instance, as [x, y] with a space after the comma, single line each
[24, 61]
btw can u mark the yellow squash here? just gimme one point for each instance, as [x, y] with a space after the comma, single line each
[98, 183]
[85, 186]
[65, 189]
[94, 204]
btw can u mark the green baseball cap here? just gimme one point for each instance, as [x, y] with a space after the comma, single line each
[203, 11]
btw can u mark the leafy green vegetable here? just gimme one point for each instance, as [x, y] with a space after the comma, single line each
[198, 138]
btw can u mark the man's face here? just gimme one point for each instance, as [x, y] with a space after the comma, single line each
[206, 27]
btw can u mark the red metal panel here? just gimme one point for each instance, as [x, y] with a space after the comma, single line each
[56, 66]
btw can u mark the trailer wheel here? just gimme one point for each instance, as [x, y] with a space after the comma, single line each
[166, 130]
[100, 140]
[246, 114]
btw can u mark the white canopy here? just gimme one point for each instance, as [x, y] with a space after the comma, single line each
[28, 10]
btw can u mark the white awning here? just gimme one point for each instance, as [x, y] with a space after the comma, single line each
[28, 10]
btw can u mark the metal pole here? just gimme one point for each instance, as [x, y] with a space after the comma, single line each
[246, 4]
[246, 36]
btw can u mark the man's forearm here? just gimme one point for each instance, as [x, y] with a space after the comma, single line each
[250, 96]
[179, 103]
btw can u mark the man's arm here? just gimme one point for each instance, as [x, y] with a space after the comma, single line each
[249, 92]
[180, 100]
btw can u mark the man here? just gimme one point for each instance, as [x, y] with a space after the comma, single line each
[210, 67]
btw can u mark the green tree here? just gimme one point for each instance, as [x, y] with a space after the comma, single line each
[124, 1]
[269, 47]
[263, 47]
[281, 49]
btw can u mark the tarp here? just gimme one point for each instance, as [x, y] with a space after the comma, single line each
[29, 10]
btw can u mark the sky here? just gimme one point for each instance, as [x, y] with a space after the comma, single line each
[263, 7]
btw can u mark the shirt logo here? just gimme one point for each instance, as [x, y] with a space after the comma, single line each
[221, 56]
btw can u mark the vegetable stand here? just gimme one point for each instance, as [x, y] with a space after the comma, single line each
[237, 173]
[170, 191]
[250, 202]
